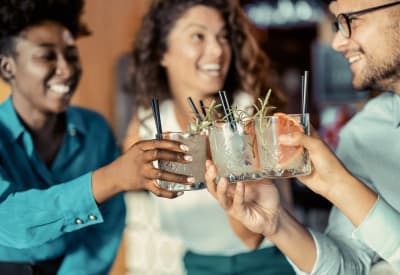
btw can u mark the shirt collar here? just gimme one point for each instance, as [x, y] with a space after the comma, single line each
[11, 126]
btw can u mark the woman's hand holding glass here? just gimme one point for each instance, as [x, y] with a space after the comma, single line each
[256, 204]
[134, 170]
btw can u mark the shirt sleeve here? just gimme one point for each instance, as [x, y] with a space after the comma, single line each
[33, 217]
[91, 251]
[380, 231]
[337, 252]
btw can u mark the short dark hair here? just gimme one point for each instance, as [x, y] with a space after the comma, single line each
[17, 15]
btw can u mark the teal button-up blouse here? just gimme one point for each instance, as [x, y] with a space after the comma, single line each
[51, 212]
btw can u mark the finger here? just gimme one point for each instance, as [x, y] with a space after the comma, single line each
[159, 192]
[163, 144]
[158, 174]
[238, 199]
[210, 176]
[221, 193]
[162, 154]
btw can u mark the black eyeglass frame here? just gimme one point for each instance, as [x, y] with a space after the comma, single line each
[337, 26]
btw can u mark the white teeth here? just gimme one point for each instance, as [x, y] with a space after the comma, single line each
[59, 89]
[210, 67]
[354, 59]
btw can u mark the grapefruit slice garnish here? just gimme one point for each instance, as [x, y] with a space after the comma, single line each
[289, 156]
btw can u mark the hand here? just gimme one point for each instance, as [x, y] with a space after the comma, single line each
[134, 170]
[255, 204]
[327, 169]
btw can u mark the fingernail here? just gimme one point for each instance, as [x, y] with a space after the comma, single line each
[191, 179]
[180, 193]
[184, 147]
[188, 157]
[285, 138]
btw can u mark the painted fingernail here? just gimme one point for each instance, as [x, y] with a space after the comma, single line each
[190, 179]
[184, 147]
[188, 157]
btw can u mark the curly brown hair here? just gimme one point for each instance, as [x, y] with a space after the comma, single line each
[248, 70]
[17, 15]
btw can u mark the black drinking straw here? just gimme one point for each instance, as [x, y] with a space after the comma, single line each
[304, 86]
[203, 108]
[227, 110]
[196, 112]
[157, 119]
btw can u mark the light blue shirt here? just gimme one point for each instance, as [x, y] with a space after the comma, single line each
[369, 147]
[50, 212]
[380, 230]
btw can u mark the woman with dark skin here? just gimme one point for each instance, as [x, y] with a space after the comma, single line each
[61, 180]
[193, 48]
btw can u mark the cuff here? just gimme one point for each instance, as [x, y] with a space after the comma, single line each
[379, 231]
[78, 204]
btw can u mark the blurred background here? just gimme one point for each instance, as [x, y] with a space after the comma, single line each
[295, 34]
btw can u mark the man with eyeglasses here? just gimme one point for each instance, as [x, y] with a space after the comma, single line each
[368, 35]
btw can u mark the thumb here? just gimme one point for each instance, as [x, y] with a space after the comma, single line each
[298, 139]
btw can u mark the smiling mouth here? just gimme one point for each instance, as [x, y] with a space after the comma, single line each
[211, 69]
[60, 89]
[354, 59]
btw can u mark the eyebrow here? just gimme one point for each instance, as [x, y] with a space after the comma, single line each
[51, 45]
[191, 25]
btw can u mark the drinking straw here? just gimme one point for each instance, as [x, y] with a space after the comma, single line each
[196, 112]
[304, 86]
[203, 108]
[157, 119]
[227, 110]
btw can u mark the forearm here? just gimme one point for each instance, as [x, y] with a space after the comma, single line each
[106, 183]
[353, 198]
[293, 239]
[249, 238]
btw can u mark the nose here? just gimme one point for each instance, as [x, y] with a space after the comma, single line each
[339, 42]
[215, 47]
[64, 68]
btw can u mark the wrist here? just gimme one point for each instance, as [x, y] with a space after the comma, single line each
[276, 224]
[104, 184]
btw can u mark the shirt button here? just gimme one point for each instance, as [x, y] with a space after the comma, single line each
[72, 132]
[78, 221]
[92, 217]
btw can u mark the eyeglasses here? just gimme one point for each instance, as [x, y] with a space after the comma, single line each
[343, 20]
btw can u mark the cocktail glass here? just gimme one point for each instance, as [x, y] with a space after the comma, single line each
[196, 168]
[277, 160]
[234, 150]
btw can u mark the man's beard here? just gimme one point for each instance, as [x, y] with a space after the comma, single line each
[382, 75]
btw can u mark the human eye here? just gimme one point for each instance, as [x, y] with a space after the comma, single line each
[352, 20]
[72, 55]
[47, 56]
[197, 36]
[224, 36]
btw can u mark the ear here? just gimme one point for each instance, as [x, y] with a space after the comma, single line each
[7, 68]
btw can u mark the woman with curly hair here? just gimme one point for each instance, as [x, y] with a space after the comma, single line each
[194, 48]
[61, 181]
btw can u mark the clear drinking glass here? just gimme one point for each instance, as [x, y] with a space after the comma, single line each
[276, 160]
[196, 168]
[234, 152]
